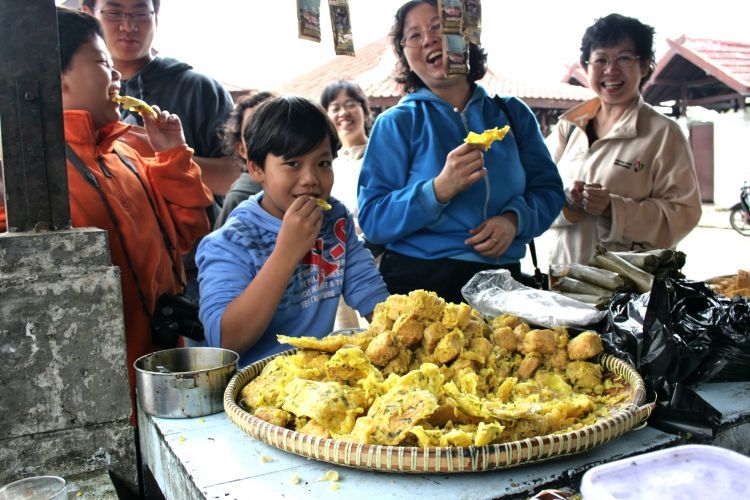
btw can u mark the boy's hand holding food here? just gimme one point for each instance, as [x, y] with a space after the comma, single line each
[164, 132]
[299, 228]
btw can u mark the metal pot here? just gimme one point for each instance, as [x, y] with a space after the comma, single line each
[184, 382]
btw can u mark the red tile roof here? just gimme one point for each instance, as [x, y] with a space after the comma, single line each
[311, 84]
[373, 66]
[709, 70]
[576, 75]
[727, 61]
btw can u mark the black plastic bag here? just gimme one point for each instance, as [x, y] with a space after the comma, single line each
[669, 336]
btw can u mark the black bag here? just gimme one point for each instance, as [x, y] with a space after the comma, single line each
[175, 315]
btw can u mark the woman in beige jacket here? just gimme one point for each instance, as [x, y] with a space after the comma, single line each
[629, 177]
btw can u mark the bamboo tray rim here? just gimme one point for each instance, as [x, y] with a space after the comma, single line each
[413, 459]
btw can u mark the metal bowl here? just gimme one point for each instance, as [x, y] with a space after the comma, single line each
[185, 382]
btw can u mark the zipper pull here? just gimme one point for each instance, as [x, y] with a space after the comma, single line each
[103, 167]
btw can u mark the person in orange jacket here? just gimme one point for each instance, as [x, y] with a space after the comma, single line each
[142, 192]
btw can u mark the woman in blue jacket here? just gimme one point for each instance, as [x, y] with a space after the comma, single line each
[444, 209]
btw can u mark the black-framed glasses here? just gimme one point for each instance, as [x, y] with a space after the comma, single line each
[621, 61]
[415, 38]
[118, 16]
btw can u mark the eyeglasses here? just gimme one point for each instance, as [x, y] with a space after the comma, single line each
[621, 61]
[349, 105]
[416, 38]
[118, 16]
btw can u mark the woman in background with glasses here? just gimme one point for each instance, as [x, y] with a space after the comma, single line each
[628, 171]
[346, 105]
[445, 209]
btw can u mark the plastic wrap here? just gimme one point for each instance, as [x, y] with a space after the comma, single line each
[495, 292]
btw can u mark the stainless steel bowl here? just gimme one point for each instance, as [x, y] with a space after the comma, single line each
[185, 382]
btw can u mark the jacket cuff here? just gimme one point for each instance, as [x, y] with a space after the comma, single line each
[515, 206]
[428, 200]
[610, 228]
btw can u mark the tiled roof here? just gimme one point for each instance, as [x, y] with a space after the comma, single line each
[576, 75]
[311, 84]
[731, 59]
[373, 66]
[708, 69]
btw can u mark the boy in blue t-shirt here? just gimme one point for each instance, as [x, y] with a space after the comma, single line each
[281, 261]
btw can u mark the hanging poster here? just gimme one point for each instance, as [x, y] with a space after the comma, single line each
[451, 13]
[472, 22]
[341, 24]
[455, 52]
[308, 17]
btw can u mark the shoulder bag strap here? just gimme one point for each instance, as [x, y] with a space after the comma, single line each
[91, 179]
[171, 249]
[504, 106]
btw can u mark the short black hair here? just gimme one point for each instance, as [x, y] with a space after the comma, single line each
[74, 28]
[610, 30]
[287, 126]
[404, 74]
[352, 90]
[91, 4]
[231, 132]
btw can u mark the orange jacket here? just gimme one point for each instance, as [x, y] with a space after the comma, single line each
[174, 184]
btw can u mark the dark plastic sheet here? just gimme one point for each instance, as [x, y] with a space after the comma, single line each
[679, 334]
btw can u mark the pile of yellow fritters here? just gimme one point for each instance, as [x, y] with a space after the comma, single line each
[430, 373]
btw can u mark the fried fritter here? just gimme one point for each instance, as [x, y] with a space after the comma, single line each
[538, 341]
[584, 374]
[383, 348]
[449, 347]
[408, 329]
[585, 346]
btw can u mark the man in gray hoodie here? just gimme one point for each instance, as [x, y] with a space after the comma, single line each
[200, 101]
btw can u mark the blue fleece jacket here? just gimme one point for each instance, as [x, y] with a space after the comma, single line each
[407, 150]
[230, 257]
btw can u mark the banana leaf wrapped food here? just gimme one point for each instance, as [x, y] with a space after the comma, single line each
[655, 261]
[596, 300]
[607, 260]
[572, 285]
[597, 276]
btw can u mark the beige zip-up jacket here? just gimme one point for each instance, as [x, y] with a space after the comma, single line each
[645, 162]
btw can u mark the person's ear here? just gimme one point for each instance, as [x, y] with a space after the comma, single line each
[242, 149]
[255, 171]
[64, 84]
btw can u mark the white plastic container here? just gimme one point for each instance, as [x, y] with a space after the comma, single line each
[688, 471]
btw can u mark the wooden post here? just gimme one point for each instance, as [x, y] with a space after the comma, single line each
[35, 175]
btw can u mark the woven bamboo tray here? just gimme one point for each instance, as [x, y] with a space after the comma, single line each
[410, 459]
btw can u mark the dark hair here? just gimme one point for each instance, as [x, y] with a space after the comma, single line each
[74, 28]
[404, 74]
[231, 131]
[352, 90]
[91, 4]
[610, 30]
[287, 126]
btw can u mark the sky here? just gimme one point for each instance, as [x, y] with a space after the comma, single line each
[254, 43]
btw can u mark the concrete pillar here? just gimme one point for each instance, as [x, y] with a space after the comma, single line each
[64, 397]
